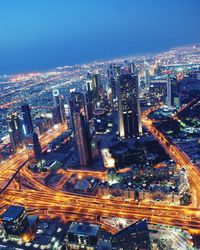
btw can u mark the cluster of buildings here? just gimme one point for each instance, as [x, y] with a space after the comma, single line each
[163, 184]
[93, 95]
[20, 230]
[86, 107]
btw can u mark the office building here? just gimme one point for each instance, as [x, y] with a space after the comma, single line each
[82, 138]
[34, 147]
[100, 120]
[77, 105]
[128, 105]
[172, 99]
[113, 74]
[92, 94]
[95, 85]
[14, 130]
[147, 74]
[134, 237]
[59, 111]
[83, 235]
[17, 224]
[28, 124]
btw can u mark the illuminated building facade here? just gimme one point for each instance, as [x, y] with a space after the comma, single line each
[17, 224]
[83, 236]
[134, 237]
[100, 121]
[14, 130]
[77, 104]
[59, 111]
[128, 106]
[33, 145]
[172, 92]
[95, 85]
[27, 119]
[15, 220]
[113, 73]
[82, 138]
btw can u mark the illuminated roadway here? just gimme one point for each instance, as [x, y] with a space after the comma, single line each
[47, 201]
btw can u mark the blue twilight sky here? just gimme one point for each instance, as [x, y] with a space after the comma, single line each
[42, 34]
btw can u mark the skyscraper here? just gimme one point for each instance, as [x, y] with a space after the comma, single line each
[82, 138]
[59, 111]
[92, 94]
[95, 85]
[100, 120]
[27, 119]
[134, 237]
[14, 130]
[128, 105]
[147, 74]
[34, 147]
[114, 72]
[77, 104]
[172, 98]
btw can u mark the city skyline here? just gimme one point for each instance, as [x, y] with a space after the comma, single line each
[100, 125]
[68, 162]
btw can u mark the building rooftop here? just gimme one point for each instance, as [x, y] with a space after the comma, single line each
[84, 228]
[12, 213]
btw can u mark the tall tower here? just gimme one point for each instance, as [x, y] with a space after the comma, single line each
[95, 85]
[78, 112]
[82, 138]
[169, 92]
[14, 130]
[172, 92]
[59, 111]
[128, 106]
[147, 74]
[77, 104]
[27, 119]
[34, 147]
[114, 72]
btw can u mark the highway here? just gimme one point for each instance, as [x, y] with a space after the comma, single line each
[181, 159]
[48, 201]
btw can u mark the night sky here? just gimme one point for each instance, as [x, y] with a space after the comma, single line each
[42, 34]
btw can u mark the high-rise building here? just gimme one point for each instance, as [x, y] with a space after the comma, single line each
[28, 124]
[172, 98]
[17, 224]
[59, 111]
[82, 235]
[100, 120]
[89, 105]
[77, 104]
[147, 74]
[113, 74]
[95, 85]
[15, 220]
[14, 130]
[134, 237]
[34, 147]
[82, 138]
[128, 106]
[92, 94]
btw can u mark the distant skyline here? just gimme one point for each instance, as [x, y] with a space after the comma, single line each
[41, 35]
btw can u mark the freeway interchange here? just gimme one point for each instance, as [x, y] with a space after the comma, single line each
[50, 202]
